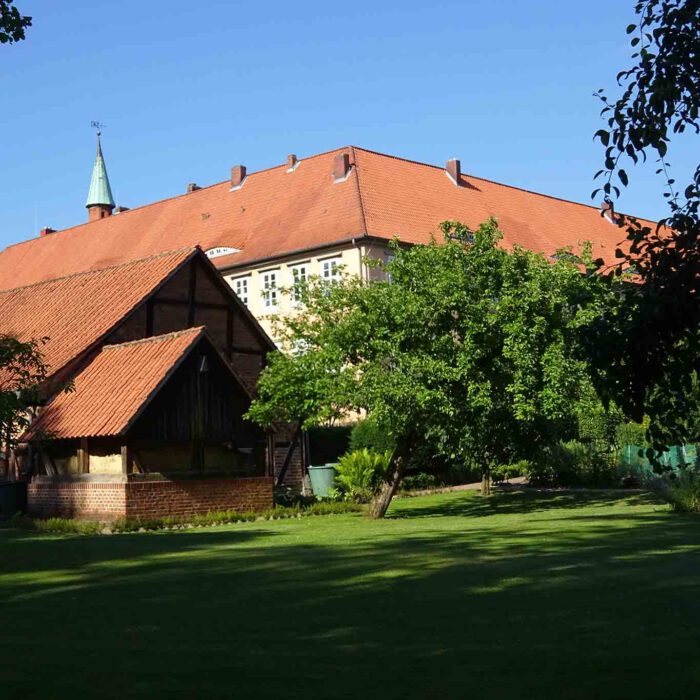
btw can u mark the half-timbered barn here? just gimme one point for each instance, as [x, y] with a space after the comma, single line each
[152, 366]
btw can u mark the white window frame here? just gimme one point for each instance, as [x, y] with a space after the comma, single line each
[300, 277]
[269, 288]
[241, 286]
[331, 269]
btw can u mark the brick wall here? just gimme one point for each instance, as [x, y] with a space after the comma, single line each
[160, 498]
[108, 501]
[66, 499]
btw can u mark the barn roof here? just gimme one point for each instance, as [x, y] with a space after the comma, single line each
[72, 313]
[283, 210]
[115, 387]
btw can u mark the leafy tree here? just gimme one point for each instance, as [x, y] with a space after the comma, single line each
[649, 355]
[22, 370]
[12, 23]
[469, 348]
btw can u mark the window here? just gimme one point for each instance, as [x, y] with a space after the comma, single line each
[330, 270]
[300, 276]
[389, 259]
[269, 290]
[241, 286]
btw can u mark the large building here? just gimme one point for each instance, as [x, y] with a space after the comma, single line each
[310, 216]
[158, 316]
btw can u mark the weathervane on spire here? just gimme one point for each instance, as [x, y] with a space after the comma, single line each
[98, 126]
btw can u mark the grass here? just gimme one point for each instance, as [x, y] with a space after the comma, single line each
[518, 596]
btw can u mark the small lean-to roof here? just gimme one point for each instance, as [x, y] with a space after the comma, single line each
[281, 211]
[75, 312]
[115, 387]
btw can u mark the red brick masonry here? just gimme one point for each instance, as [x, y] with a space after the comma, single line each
[108, 501]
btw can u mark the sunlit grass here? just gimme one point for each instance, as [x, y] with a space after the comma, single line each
[517, 596]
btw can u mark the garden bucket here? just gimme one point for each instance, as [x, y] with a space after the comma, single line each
[322, 479]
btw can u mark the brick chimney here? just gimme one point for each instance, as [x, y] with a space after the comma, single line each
[46, 231]
[341, 166]
[192, 187]
[292, 162]
[454, 169]
[237, 176]
[99, 211]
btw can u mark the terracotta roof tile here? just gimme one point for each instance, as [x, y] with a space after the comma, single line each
[277, 212]
[112, 390]
[74, 312]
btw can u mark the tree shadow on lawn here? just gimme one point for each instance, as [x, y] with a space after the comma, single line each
[339, 608]
[471, 504]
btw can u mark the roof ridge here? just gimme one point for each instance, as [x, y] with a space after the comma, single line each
[94, 271]
[483, 179]
[195, 330]
[172, 197]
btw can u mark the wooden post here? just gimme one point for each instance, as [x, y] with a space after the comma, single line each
[126, 460]
[84, 456]
[192, 295]
[229, 334]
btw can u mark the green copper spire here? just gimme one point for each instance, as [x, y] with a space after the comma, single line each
[100, 192]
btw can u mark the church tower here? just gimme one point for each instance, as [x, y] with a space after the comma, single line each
[100, 202]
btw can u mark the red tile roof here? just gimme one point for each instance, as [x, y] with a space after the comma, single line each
[277, 212]
[114, 388]
[75, 312]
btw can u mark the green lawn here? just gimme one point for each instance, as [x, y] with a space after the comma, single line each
[521, 596]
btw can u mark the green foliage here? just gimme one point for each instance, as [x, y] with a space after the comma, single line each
[420, 482]
[23, 369]
[359, 473]
[67, 526]
[681, 489]
[647, 357]
[631, 433]
[367, 435]
[12, 23]
[56, 526]
[572, 463]
[503, 472]
[470, 354]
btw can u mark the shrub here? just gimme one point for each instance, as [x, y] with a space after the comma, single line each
[358, 473]
[681, 489]
[63, 526]
[572, 463]
[503, 472]
[366, 435]
[420, 482]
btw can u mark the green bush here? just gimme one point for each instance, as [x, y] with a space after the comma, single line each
[420, 482]
[359, 473]
[572, 463]
[681, 489]
[366, 435]
[503, 472]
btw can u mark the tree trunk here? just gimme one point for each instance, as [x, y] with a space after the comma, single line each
[486, 482]
[380, 503]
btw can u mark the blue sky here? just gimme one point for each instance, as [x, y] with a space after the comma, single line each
[189, 89]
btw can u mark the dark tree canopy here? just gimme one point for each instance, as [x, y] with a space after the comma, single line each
[650, 355]
[12, 23]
